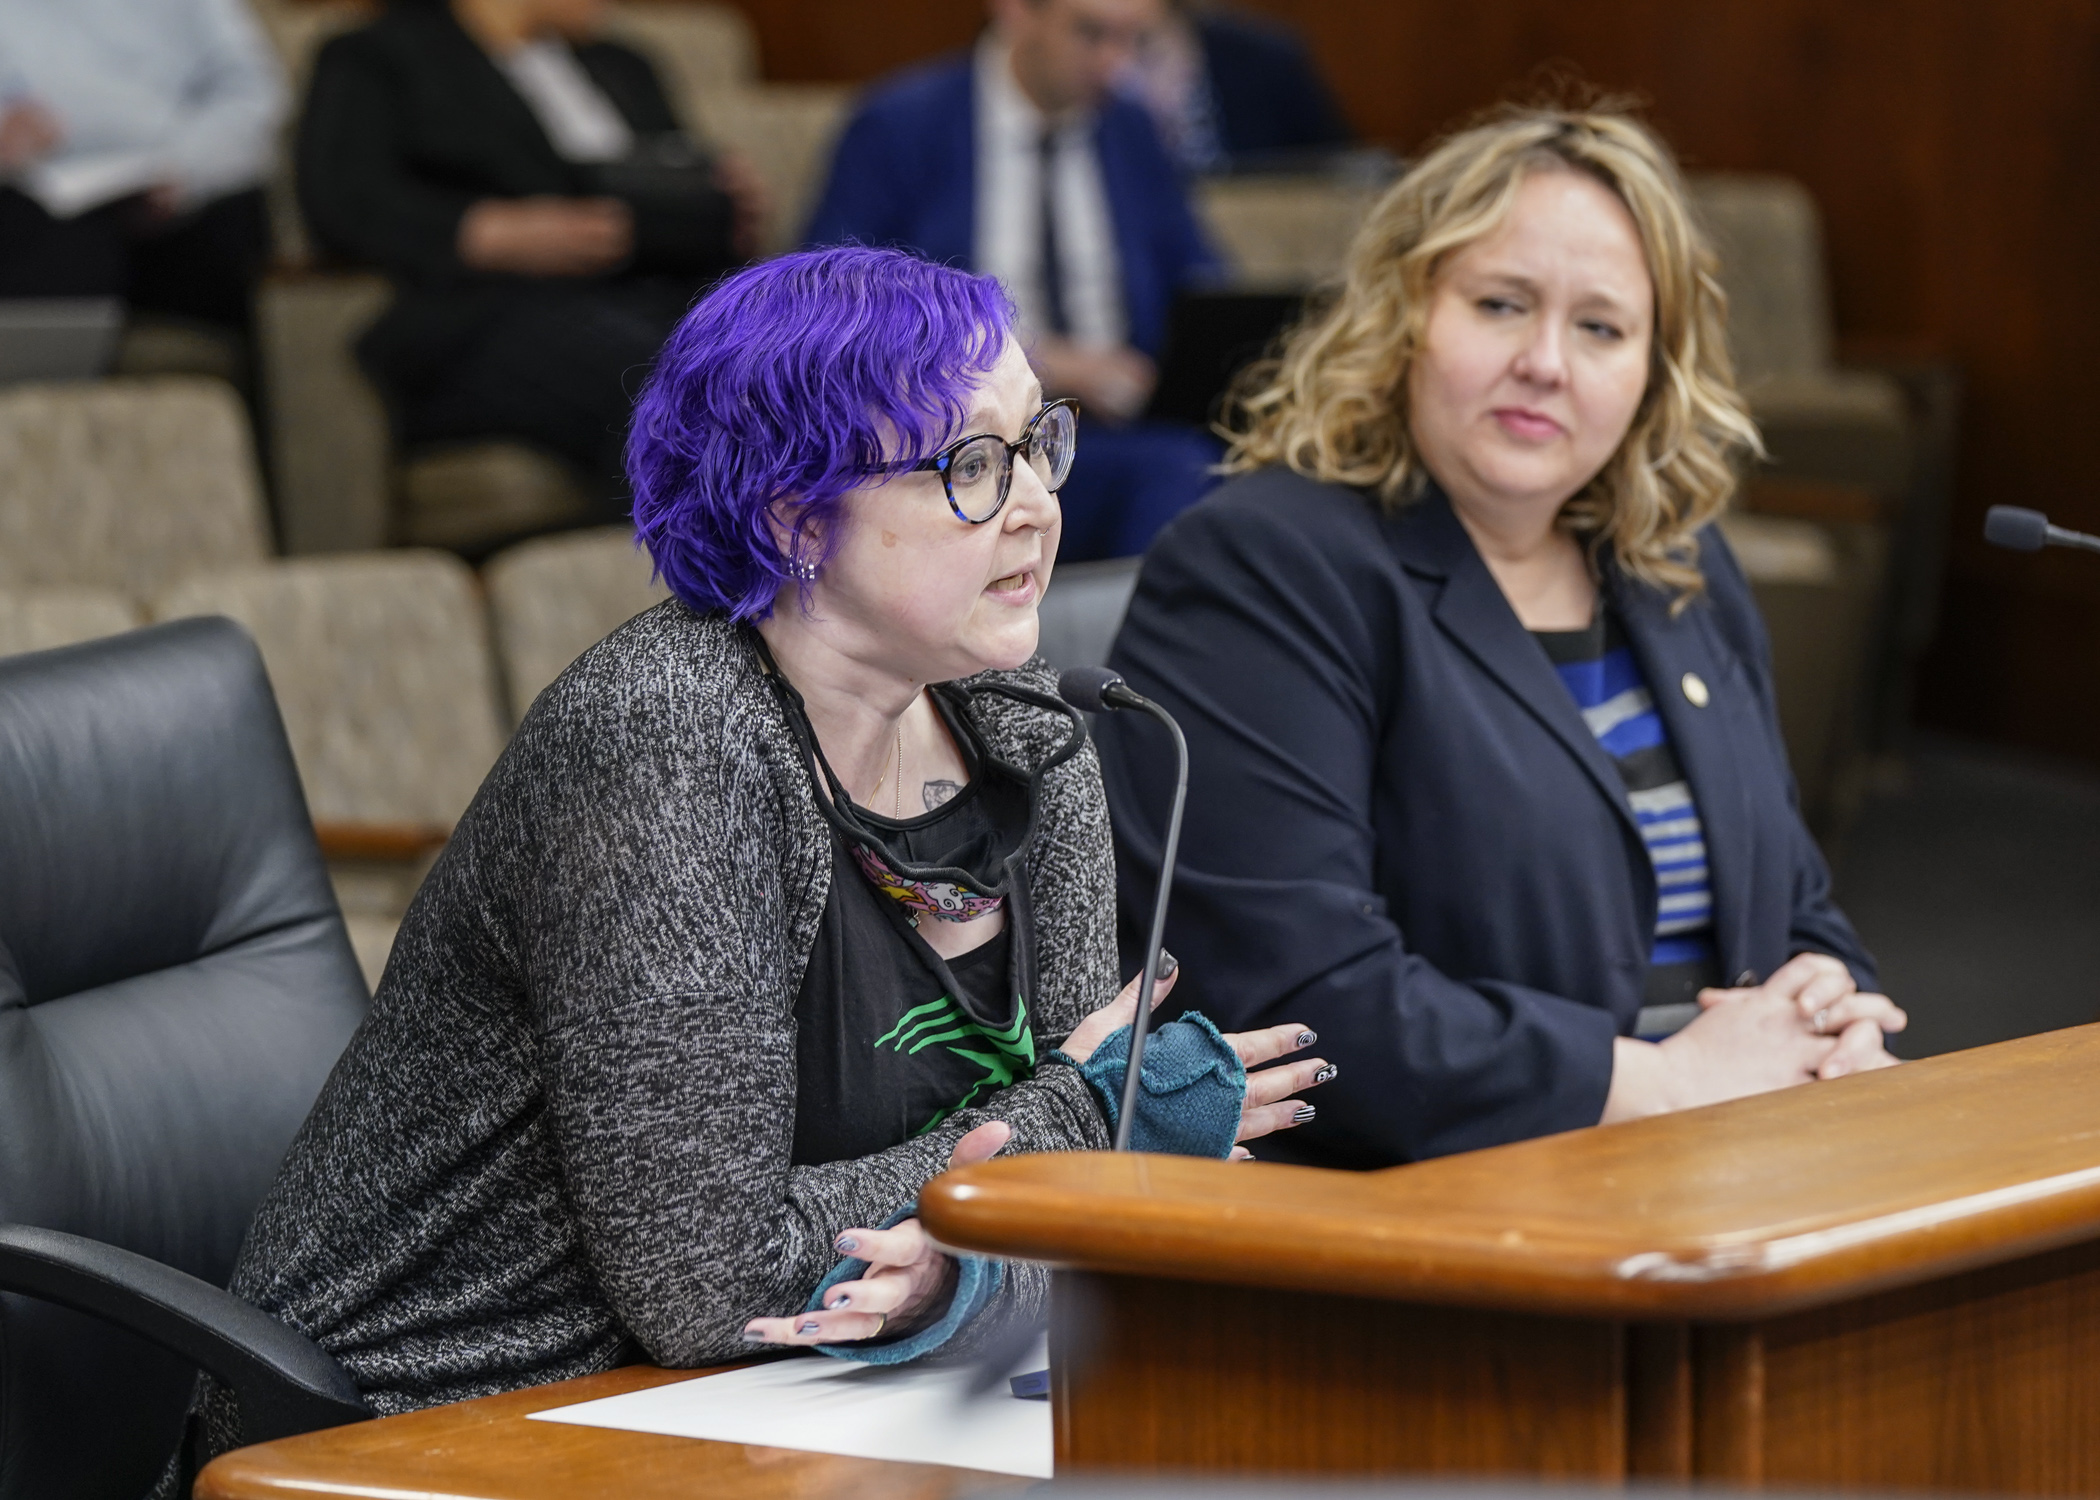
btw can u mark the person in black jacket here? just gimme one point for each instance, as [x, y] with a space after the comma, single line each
[1486, 778]
[533, 196]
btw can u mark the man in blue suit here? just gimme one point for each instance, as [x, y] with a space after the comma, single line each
[1018, 159]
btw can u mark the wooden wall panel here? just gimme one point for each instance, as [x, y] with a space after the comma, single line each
[1951, 144]
[1189, 1377]
[1980, 1382]
[847, 41]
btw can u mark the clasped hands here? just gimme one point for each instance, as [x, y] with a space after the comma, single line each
[909, 1278]
[1810, 1020]
[551, 235]
[1817, 1019]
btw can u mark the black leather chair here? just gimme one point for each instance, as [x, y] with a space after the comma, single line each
[175, 984]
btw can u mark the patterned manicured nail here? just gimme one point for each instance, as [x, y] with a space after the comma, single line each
[1307, 1038]
[1168, 963]
[841, 1300]
[810, 1326]
[846, 1244]
[1302, 1114]
[753, 1336]
[1326, 1073]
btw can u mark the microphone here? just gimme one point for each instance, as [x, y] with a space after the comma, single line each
[1097, 690]
[2024, 530]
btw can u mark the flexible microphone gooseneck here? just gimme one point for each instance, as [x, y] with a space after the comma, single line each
[2025, 530]
[1097, 690]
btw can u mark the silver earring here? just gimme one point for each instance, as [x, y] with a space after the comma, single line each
[803, 569]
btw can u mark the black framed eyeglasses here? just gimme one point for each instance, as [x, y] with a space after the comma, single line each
[978, 472]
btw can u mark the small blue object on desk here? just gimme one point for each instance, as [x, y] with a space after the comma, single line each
[1034, 1386]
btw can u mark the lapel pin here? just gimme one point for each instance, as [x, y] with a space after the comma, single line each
[1695, 689]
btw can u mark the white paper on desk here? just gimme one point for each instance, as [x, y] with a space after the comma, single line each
[75, 184]
[906, 1413]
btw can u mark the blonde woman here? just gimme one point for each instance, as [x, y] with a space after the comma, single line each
[1487, 784]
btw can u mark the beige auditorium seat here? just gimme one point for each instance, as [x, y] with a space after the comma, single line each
[1808, 579]
[330, 448]
[1286, 231]
[339, 487]
[382, 670]
[1820, 421]
[1832, 432]
[36, 619]
[697, 48]
[554, 598]
[786, 132]
[126, 484]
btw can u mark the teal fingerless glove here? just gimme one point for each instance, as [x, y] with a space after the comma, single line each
[977, 1281]
[1191, 1086]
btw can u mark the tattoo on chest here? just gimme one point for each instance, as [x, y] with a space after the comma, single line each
[937, 792]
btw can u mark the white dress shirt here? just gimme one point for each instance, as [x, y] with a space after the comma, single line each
[1008, 231]
[186, 92]
[581, 122]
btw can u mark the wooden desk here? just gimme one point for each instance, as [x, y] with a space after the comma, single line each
[1891, 1279]
[487, 1450]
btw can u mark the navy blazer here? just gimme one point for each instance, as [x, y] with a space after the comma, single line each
[905, 174]
[1269, 94]
[1400, 830]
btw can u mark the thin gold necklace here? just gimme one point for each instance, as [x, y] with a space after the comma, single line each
[896, 791]
[897, 786]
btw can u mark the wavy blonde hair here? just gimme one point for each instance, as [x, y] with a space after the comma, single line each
[1333, 404]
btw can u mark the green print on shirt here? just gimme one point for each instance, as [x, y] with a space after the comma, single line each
[1005, 1056]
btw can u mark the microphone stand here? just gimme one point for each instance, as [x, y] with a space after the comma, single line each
[1099, 690]
[1141, 1023]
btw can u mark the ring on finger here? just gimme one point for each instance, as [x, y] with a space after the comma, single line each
[882, 1321]
[1822, 1016]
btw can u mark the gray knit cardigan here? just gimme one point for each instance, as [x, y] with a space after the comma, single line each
[561, 1137]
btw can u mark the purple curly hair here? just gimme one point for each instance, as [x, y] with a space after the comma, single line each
[786, 383]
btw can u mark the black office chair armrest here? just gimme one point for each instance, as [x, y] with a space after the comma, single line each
[284, 1382]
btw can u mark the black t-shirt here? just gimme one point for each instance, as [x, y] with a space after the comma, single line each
[890, 1038]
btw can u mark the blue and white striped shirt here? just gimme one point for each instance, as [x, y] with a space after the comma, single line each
[1600, 672]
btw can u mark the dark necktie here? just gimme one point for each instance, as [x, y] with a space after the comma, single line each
[1054, 320]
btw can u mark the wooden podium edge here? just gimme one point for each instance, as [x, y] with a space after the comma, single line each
[1444, 1232]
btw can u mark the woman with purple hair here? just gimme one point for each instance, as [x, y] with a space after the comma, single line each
[792, 892]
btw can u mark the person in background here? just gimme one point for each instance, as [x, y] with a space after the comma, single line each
[1018, 159]
[532, 194]
[1486, 779]
[134, 139]
[1233, 91]
[791, 893]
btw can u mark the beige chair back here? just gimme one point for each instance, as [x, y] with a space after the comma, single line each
[698, 49]
[786, 131]
[332, 448]
[126, 484]
[554, 598]
[39, 619]
[1284, 232]
[382, 669]
[1769, 237]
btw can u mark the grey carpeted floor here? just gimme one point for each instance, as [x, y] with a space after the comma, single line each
[1975, 879]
